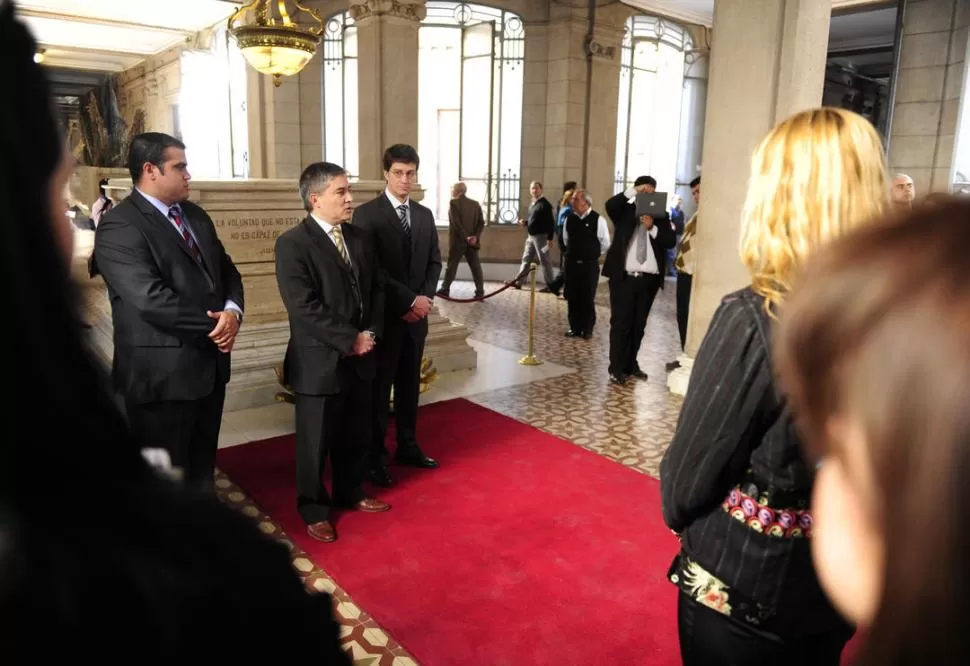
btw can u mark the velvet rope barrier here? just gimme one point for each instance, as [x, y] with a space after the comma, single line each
[507, 285]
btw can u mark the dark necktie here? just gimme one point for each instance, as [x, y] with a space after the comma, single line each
[175, 213]
[402, 213]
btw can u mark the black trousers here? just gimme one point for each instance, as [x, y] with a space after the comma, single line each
[455, 254]
[560, 282]
[630, 301]
[583, 277]
[187, 429]
[708, 638]
[338, 426]
[684, 283]
[399, 366]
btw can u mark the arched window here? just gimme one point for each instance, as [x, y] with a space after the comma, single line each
[340, 93]
[470, 87]
[649, 114]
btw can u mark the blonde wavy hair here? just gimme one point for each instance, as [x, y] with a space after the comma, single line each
[814, 177]
[567, 196]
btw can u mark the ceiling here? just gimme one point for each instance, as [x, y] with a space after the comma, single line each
[702, 11]
[114, 35]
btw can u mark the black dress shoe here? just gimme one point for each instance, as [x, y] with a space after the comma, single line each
[673, 365]
[379, 476]
[416, 459]
[573, 334]
[638, 373]
[587, 335]
[619, 380]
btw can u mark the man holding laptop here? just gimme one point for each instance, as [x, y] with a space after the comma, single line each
[635, 266]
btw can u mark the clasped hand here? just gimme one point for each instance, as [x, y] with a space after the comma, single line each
[421, 308]
[227, 326]
[363, 344]
[647, 222]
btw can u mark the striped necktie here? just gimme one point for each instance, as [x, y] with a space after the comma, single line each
[338, 240]
[683, 252]
[175, 214]
[402, 213]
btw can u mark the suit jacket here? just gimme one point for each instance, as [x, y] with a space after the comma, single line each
[410, 270]
[464, 219]
[328, 303]
[159, 296]
[624, 216]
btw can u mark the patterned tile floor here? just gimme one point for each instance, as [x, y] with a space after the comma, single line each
[631, 424]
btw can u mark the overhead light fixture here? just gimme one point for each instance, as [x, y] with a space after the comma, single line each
[40, 55]
[274, 38]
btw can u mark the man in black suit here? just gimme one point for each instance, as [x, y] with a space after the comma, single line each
[407, 245]
[635, 266]
[176, 306]
[334, 296]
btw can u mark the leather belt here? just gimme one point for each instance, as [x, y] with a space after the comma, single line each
[638, 274]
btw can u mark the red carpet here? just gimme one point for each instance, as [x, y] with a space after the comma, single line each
[521, 549]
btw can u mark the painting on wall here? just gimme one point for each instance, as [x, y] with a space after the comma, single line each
[102, 136]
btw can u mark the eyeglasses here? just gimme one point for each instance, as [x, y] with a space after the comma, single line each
[404, 175]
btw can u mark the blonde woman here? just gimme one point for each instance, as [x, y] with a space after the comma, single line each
[734, 483]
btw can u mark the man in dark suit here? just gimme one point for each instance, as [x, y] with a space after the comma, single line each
[465, 225]
[176, 306]
[407, 245]
[334, 296]
[635, 266]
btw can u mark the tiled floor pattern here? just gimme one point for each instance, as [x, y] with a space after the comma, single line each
[631, 424]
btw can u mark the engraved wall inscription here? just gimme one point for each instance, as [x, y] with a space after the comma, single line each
[250, 236]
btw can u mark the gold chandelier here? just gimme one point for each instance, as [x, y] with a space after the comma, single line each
[271, 38]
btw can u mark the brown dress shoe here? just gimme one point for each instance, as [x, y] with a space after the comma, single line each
[371, 505]
[322, 531]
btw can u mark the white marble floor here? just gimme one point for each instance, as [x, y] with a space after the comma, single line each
[497, 368]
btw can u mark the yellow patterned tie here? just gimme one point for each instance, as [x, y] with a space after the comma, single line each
[680, 263]
[338, 240]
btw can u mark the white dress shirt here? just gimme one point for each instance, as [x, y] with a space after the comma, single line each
[602, 231]
[164, 208]
[650, 265]
[328, 229]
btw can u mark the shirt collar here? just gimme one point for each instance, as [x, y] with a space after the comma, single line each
[395, 201]
[326, 226]
[161, 207]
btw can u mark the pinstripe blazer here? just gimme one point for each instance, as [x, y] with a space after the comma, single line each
[736, 433]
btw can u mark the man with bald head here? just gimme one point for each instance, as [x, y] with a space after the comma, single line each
[465, 225]
[903, 191]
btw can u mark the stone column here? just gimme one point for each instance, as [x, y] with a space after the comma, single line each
[774, 51]
[928, 89]
[694, 108]
[387, 48]
[583, 71]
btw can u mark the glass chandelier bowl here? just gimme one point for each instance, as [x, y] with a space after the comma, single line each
[277, 37]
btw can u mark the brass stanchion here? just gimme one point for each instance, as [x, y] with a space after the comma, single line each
[530, 358]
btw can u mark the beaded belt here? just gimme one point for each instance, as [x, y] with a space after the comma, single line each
[785, 523]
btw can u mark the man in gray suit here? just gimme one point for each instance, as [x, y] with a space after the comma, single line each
[408, 254]
[465, 225]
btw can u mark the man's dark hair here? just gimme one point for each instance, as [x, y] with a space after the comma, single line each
[315, 178]
[401, 153]
[694, 183]
[645, 180]
[149, 148]
[568, 185]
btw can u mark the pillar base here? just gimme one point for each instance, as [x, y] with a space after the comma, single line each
[260, 348]
[678, 380]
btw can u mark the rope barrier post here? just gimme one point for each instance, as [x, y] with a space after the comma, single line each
[530, 358]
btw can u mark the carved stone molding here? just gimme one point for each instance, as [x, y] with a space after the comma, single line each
[598, 50]
[405, 10]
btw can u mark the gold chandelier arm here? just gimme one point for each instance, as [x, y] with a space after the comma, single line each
[239, 12]
[318, 30]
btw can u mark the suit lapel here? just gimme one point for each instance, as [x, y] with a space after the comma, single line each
[322, 241]
[155, 219]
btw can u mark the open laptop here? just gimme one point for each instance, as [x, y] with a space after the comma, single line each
[653, 204]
